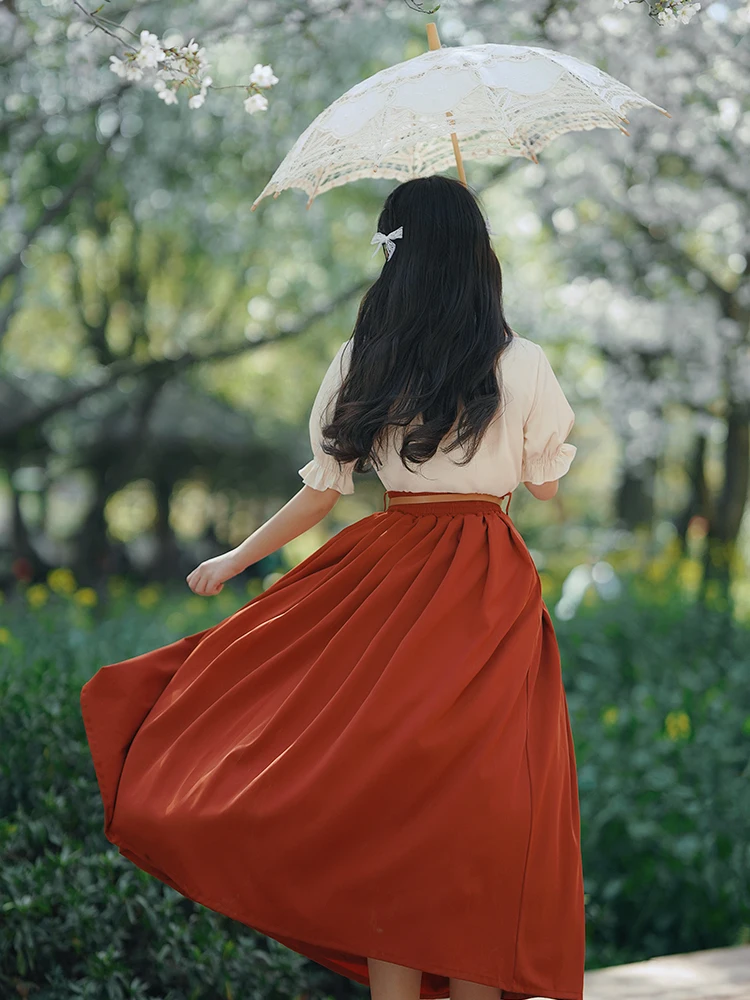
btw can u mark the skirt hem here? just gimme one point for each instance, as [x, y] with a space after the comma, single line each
[516, 992]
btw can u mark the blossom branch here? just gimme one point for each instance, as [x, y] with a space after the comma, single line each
[662, 11]
[98, 22]
[665, 11]
[418, 5]
[170, 68]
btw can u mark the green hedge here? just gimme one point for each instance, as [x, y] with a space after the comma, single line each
[660, 709]
[659, 699]
[76, 918]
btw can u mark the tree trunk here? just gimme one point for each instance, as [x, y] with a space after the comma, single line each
[92, 543]
[168, 560]
[724, 525]
[634, 504]
[699, 501]
[25, 563]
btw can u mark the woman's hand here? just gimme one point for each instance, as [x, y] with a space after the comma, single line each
[209, 578]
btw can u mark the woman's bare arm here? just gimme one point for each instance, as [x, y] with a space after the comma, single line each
[543, 491]
[305, 509]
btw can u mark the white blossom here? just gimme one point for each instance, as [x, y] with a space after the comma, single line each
[263, 76]
[198, 100]
[126, 69]
[167, 94]
[689, 12]
[149, 40]
[192, 52]
[256, 102]
[665, 11]
[173, 67]
[150, 54]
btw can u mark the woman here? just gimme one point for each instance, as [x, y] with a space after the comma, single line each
[372, 761]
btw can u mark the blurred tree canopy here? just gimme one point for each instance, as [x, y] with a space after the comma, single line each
[160, 345]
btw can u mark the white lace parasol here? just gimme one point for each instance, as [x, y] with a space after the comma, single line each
[499, 100]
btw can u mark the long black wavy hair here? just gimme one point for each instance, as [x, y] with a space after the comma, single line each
[428, 335]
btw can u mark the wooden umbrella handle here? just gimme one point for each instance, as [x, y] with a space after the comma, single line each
[433, 40]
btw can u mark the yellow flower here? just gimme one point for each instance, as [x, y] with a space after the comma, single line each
[657, 570]
[5, 636]
[673, 549]
[86, 597]
[609, 716]
[677, 725]
[148, 596]
[37, 595]
[61, 580]
[690, 574]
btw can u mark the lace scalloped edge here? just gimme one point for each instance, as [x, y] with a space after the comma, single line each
[546, 468]
[314, 474]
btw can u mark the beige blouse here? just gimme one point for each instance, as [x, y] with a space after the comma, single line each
[524, 443]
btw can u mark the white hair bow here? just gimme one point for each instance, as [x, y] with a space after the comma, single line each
[390, 246]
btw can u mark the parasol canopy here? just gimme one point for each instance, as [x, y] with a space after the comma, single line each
[497, 100]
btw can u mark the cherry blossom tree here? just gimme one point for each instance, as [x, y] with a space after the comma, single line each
[657, 231]
[129, 244]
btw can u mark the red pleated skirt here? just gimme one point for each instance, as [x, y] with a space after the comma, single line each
[372, 758]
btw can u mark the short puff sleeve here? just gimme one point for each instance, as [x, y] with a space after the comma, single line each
[546, 455]
[323, 471]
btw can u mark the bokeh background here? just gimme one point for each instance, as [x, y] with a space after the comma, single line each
[160, 348]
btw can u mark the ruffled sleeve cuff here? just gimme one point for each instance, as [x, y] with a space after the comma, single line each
[322, 476]
[544, 468]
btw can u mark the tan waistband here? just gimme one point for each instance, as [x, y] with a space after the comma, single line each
[446, 498]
